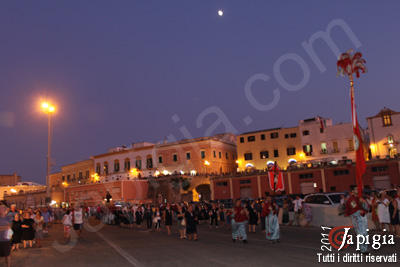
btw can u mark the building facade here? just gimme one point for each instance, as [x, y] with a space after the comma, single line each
[77, 173]
[205, 155]
[9, 179]
[124, 163]
[379, 175]
[259, 148]
[323, 141]
[384, 133]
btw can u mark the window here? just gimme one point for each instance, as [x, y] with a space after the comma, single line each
[175, 157]
[291, 151]
[274, 135]
[379, 169]
[306, 175]
[98, 168]
[80, 175]
[241, 139]
[387, 120]
[68, 177]
[324, 148]
[335, 147]
[262, 136]
[264, 155]
[251, 138]
[286, 136]
[293, 135]
[390, 139]
[160, 160]
[351, 144]
[306, 132]
[226, 155]
[203, 154]
[105, 167]
[307, 149]
[215, 154]
[248, 156]
[127, 164]
[188, 155]
[220, 154]
[276, 153]
[340, 172]
[244, 182]
[116, 166]
[222, 183]
[63, 178]
[87, 174]
[138, 164]
[149, 163]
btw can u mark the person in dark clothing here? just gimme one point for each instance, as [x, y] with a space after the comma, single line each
[28, 233]
[253, 217]
[17, 232]
[148, 216]
[191, 224]
[213, 213]
[168, 218]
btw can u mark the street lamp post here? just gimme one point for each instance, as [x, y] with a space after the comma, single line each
[49, 110]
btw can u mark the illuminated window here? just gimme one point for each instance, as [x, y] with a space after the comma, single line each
[324, 148]
[307, 149]
[264, 155]
[105, 167]
[387, 120]
[390, 139]
[335, 147]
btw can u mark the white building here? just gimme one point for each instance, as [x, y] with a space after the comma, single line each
[323, 141]
[384, 133]
[122, 163]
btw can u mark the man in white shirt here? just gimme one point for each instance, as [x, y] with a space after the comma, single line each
[297, 210]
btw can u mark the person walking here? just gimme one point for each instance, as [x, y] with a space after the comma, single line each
[168, 218]
[191, 223]
[253, 217]
[270, 212]
[17, 232]
[38, 225]
[77, 220]
[297, 206]
[394, 215]
[67, 222]
[383, 211]
[240, 217]
[148, 215]
[181, 222]
[213, 214]
[5, 235]
[28, 232]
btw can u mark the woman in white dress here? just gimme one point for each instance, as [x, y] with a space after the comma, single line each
[383, 211]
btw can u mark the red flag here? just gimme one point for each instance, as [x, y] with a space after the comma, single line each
[358, 145]
[276, 179]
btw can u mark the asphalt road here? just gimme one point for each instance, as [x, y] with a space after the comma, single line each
[115, 246]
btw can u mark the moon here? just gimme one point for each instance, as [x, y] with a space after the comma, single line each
[220, 12]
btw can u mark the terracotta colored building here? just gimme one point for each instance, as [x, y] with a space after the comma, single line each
[93, 194]
[214, 154]
[9, 179]
[380, 174]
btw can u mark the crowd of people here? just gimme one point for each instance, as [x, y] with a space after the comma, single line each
[21, 229]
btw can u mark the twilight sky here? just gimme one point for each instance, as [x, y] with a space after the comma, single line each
[120, 70]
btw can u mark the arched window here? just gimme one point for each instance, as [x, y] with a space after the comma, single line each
[138, 163]
[116, 165]
[390, 139]
[105, 167]
[98, 168]
[127, 164]
[149, 162]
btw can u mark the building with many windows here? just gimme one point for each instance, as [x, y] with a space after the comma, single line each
[257, 149]
[323, 141]
[384, 133]
[76, 173]
[123, 163]
[215, 154]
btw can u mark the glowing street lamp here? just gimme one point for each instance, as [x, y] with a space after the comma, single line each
[48, 109]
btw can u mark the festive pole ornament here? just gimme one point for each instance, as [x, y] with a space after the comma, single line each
[347, 65]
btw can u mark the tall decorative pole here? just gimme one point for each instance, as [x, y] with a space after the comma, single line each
[348, 65]
[49, 109]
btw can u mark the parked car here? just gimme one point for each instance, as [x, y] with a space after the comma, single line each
[324, 199]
